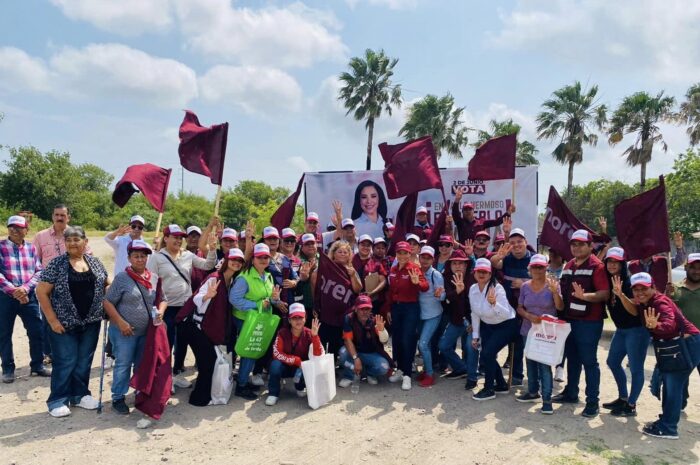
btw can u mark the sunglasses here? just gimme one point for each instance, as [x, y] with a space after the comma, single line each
[312, 222]
[290, 241]
[136, 226]
[444, 244]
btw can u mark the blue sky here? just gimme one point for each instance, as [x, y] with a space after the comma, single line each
[105, 80]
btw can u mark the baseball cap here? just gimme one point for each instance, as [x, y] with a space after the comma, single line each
[229, 233]
[261, 250]
[616, 253]
[484, 234]
[517, 232]
[139, 244]
[580, 235]
[403, 246]
[312, 216]
[412, 237]
[427, 250]
[297, 309]
[235, 253]
[421, 209]
[693, 257]
[137, 218]
[347, 222]
[538, 260]
[363, 301]
[308, 237]
[641, 279]
[446, 238]
[458, 256]
[194, 229]
[468, 205]
[174, 230]
[288, 232]
[500, 237]
[483, 264]
[17, 220]
[365, 237]
[381, 240]
[270, 232]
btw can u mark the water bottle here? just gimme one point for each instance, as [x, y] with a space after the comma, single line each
[355, 387]
[154, 316]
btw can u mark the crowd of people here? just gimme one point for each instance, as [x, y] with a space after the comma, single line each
[446, 307]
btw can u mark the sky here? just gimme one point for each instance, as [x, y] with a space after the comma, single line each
[107, 80]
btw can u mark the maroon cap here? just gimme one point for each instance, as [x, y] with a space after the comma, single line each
[468, 205]
[458, 256]
[363, 301]
[483, 233]
[403, 245]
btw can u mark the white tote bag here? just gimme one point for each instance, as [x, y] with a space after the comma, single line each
[222, 379]
[319, 376]
[545, 341]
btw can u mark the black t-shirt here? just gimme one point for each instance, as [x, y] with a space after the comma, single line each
[82, 290]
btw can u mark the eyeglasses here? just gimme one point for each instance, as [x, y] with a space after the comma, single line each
[290, 241]
[137, 226]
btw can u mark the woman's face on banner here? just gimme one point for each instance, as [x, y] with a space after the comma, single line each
[369, 200]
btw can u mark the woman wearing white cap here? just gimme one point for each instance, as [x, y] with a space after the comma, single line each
[308, 255]
[539, 296]
[493, 326]
[430, 313]
[665, 321]
[291, 347]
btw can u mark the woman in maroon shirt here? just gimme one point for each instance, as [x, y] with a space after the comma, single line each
[665, 321]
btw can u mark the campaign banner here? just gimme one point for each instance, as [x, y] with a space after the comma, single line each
[364, 198]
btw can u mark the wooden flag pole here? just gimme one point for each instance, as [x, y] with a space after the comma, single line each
[157, 238]
[217, 201]
[512, 198]
[670, 268]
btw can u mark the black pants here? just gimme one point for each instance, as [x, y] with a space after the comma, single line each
[205, 357]
[331, 336]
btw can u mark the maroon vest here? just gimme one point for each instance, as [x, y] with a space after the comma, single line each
[301, 348]
[583, 275]
[216, 324]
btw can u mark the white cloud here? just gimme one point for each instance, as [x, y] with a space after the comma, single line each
[126, 17]
[294, 36]
[261, 91]
[101, 70]
[299, 163]
[659, 37]
[391, 4]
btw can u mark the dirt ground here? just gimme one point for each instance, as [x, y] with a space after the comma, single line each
[380, 425]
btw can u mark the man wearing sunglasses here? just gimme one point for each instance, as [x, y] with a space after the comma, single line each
[120, 239]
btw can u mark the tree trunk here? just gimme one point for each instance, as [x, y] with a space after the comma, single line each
[370, 134]
[570, 182]
[643, 179]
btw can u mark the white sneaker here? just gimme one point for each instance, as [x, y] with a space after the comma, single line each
[88, 403]
[181, 382]
[58, 412]
[396, 376]
[271, 400]
[406, 383]
[301, 393]
[559, 374]
[257, 380]
[345, 382]
[372, 380]
[144, 423]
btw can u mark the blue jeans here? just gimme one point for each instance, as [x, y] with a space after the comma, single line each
[632, 342]
[582, 354]
[247, 364]
[427, 329]
[673, 385]
[493, 339]
[73, 352]
[470, 356]
[127, 351]
[435, 342]
[539, 374]
[279, 370]
[29, 313]
[404, 322]
[373, 364]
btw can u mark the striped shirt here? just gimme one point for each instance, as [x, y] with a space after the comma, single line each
[19, 266]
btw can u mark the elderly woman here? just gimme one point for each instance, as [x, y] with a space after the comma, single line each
[130, 305]
[70, 293]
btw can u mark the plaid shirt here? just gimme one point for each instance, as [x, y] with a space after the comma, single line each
[19, 266]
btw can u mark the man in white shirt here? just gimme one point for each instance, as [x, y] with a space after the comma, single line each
[121, 238]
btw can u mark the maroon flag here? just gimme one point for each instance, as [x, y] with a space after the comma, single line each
[494, 159]
[150, 179]
[405, 219]
[410, 167]
[284, 214]
[154, 377]
[202, 150]
[333, 295]
[438, 228]
[560, 223]
[642, 223]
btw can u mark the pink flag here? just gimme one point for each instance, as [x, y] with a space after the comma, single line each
[284, 214]
[333, 296]
[495, 159]
[202, 150]
[410, 167]
[642, 223]
[150, 179]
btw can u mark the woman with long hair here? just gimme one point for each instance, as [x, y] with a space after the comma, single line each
[369, 209]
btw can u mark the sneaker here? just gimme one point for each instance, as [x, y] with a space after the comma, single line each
[8, 378]
[654, 430]
[564, 398]
[406, 383]
[245, 392]
[615, 404]
[559, 374]
[345, 382]
[528, 397]
[119, 406]
[471, 384]
[427, 381]
[42, 372]
[591, 410]
[516, 382]
[47, 360]
[626, 410]
[58, 412]
[88, 403]
[371, 380]
[396, 376]
[484, 394]
[547, 408]
[501, 389]
[181, 382]
[271, 400]
[301, 392]
[456, 375]
[257, 380]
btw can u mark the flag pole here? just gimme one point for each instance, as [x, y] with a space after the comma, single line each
[670, 272]
[512, 197]
[217, 201]
[157, 237]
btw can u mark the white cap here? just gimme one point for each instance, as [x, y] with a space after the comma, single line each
[229, 233]
[288, 232]
[538, 260]
[235, 253]
[138, 218]
[365, 237]
[616, 253]
[174, 230]
[261, 250]
[517, 232]
[641, 279]
[580, 235]
[242, 236]
[308, 237]
[421, 209]
[347, 222]
[297, 309]
[381, 240]
[312, 216]
[412, 237]
[427, 250]
[192, 229]
[139, 244]
[483, 264]
[17, 220]
[270, 231]
[693, 257]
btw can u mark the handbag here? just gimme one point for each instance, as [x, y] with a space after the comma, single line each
[672, 354]
[544, 345]
[222, 378]
[256, 334]
[319, 376]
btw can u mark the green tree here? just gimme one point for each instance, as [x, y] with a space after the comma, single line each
[439, 118]
[598, 198]
[526, 152]
[690, 113]
[570, 115]
[367, 90]
[683, 192]
[640, 114]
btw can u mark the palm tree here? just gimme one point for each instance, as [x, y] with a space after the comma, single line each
[568, 116]
[439, 119]
[690, 113]
[640, 113]
[526, 153]
[367, 90]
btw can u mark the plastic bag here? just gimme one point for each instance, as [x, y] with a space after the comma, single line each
[319, 376]
[222, 379]
[545, 341]
[256, 334]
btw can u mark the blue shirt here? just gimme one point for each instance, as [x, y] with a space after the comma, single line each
[515, 268]
[430, 306]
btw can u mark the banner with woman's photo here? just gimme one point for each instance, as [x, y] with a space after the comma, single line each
[364, 199]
